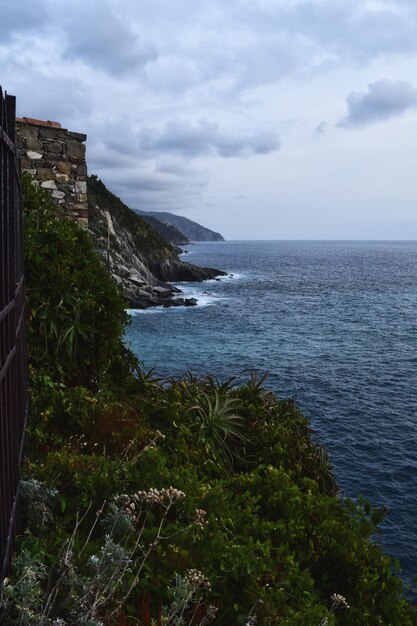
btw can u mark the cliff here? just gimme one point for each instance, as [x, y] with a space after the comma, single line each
[191, 230]
[138, 257]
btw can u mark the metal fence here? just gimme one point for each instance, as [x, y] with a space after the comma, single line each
[13, 346]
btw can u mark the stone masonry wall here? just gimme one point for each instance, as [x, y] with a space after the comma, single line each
[55, 157]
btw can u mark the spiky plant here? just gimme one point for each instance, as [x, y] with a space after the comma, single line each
[219, 423]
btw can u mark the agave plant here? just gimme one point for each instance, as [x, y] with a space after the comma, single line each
[219, 423]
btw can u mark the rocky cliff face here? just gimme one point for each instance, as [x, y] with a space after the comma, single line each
[137, 256]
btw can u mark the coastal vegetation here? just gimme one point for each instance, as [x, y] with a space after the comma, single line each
[189, 501]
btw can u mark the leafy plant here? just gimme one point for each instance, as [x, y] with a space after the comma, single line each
[218, 422]
[75, 310]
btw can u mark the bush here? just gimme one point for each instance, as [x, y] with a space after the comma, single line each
[75, 311]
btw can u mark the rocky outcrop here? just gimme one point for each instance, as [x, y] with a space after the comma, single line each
[191, 230]
[140, 259]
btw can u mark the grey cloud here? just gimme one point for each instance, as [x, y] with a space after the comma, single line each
[162, 174]
[383, 99]
[276, 57]
[350, 27]
[142, 184]
[55, 96]
[175, 167]
[320, 34]
[151, 179]
[321, 128]
[119, 136]
[101, 157]
[99, 36]
[20, 16]
[146, 181]
[150, 190]
[232, 64]
[205, 138]
[237, 45]
[231, 47]
[138, 181]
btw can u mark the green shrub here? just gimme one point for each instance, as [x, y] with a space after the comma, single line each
[75, 312]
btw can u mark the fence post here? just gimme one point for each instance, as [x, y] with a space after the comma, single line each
[13, 342]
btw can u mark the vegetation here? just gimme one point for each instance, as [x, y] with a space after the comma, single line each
[171, 502]
[75, 313]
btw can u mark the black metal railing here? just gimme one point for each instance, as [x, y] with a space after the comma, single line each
[13, 344]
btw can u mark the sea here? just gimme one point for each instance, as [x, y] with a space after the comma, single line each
[334, 323]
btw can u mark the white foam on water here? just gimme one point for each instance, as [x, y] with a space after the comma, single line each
[204, 298]
[203, 292]
[133, 312]
[232, 276]
[221, 279]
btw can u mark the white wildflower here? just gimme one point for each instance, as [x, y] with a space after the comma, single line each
[339, 601]
[195, 578]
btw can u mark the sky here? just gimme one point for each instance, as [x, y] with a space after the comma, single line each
[261, 119]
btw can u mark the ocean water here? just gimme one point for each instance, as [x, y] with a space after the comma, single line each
[335, 325]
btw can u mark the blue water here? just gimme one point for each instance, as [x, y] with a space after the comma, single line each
[335, 324]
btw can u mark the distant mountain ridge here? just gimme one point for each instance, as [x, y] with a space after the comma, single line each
[167, 231]
[191, 230]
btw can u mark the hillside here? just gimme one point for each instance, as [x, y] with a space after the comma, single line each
[170, 502]
[139, 258]
[192, 230]
[167, 231]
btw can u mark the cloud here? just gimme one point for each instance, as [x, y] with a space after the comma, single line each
[99, 36]
[177, 143]
[149, 189]
[213, 49]
[174, 166]
[55, 96]
[206, 138]
[383, 99]
[321, 128]
[234, 47]
[348, 30]
[19, 17]
[164, 183]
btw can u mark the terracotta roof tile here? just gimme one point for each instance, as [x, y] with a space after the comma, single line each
[32, 120]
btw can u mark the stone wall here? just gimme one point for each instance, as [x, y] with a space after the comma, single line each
[55, 157]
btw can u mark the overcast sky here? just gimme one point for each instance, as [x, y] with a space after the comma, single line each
[263, 119]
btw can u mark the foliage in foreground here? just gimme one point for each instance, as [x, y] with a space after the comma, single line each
[253, 529]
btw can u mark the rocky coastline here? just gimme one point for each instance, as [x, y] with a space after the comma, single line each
[141, 261]
[141, 293]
